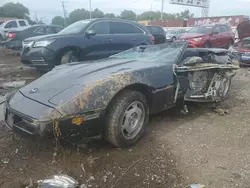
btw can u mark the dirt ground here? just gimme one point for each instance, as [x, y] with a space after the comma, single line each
[207, 146]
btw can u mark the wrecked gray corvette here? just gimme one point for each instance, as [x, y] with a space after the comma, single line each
[115, 96]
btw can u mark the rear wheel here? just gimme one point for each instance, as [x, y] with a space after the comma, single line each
[1, 38]
[126, 119]
[69, 57]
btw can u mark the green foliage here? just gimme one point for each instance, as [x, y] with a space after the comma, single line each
[186, 14]
[97, 13]
[58, 20]
[109, 15]
[16, 10]
[78, 14]
[128, 15]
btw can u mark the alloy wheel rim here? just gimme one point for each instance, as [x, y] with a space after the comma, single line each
[133, 120]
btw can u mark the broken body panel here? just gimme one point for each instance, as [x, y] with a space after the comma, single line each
[241, 48]
[163, 73]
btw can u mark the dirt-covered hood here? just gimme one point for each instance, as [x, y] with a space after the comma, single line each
[243, 29]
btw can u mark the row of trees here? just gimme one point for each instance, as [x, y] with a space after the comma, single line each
[80, 14]
[15, 10]
[18, 10]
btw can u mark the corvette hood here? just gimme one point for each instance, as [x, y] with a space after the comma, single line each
[243, 29]
[74, 77]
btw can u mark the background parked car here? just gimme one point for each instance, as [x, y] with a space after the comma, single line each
[174, 34]
[84, 40]
[158, 32]
[11, 24]
[16, 37]
[218, 35]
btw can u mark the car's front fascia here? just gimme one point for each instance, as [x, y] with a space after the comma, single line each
[19, 118]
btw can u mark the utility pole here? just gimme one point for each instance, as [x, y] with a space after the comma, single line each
[64, 13]
[90, 16]
[162, 6]
[151, 7]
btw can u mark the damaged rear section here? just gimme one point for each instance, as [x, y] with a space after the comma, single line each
[208, 74]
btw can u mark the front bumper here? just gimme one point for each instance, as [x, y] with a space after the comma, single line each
[38, 57]
[19, 119]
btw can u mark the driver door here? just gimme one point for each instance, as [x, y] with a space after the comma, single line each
[98, 45]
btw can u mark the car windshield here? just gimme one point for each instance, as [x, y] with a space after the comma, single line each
[167, 53]
[75, 27]
[171, 32]
[201, 30]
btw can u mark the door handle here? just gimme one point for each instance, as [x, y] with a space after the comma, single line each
[133, 39]
[110, 40]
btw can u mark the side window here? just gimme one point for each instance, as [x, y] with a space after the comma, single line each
[57, 29]
[124, 28]
[11, 24]
[155, 30]
[22, 23]
[100, 28]
[40, 30]
[223, 29]
[49, 30]
[226, 28]
[216, 29]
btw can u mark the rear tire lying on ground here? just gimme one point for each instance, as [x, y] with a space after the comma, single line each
[126, 119]
[69, 57]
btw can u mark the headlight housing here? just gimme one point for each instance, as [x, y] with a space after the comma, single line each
[197, 39]
[42, 43]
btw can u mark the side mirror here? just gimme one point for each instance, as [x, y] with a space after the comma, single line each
[90, 33]
[193, 60]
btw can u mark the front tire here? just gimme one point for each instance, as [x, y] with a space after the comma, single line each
[173, 39]
[126, 119]
[69, 57]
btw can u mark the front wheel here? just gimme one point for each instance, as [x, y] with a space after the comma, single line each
[126, 119]
[173, 39]
[69, 57]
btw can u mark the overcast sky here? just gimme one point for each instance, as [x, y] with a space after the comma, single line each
[51, 8]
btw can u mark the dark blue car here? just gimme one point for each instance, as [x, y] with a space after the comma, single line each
[84, 40]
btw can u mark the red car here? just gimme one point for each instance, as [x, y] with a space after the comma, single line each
[242, 46]
[207, 36]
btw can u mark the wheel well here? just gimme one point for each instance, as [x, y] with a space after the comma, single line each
[142, 88]
[64, 50]
[208, 42]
